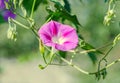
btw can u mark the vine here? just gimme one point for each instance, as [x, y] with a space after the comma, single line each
[61, 14]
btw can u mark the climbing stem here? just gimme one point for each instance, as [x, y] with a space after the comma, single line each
[51, 59]
[86, 72]
[63, 59]
[20, 24]
[103, 59]
[107, 53]
[35, 32]
[32, 10]
[74, 66]
[109, 65]
[81, 70]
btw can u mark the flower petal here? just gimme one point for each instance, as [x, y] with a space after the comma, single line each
[66, 46]
[2, 4]
[69, 33]
[57, 35]
[6, 14]
[54, 27]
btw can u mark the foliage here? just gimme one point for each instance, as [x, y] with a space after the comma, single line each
[61, 11]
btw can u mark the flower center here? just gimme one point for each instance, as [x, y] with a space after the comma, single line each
[58, 40]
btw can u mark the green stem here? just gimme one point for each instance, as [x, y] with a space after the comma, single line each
[49, 61]
[20, 24]
[81, 70]
[35, 32]
[107, 53]
[49, 18]
[104, 58]
[109, 65]
[74, 66]
[58, 64]
[20, 15]
[44, 59]
[85, 72]
[118, 60]
[92, 50]
[26, 27]
[33, 6]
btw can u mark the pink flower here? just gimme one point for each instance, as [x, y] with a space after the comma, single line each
[61, 37]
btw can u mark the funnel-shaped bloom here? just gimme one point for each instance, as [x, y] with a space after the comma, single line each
[59, 36]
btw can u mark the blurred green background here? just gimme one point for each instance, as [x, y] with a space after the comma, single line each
[19, 60]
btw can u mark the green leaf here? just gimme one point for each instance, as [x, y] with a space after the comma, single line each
[67, 5]
[65, 14]
[61, 13]
[106, 1]
[89, 47]
[62, 54]
[1, 19]
[98, 75]
[58, 2]
[104, 73]
[28, 4]
[90, 50]
[93, 57]
[81, 0]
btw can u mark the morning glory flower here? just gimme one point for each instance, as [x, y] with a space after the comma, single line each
[2, 4]
[5, 12]
[59, 36]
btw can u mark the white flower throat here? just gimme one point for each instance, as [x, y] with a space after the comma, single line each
[58, 40]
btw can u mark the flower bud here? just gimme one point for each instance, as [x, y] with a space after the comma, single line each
[11, 33]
